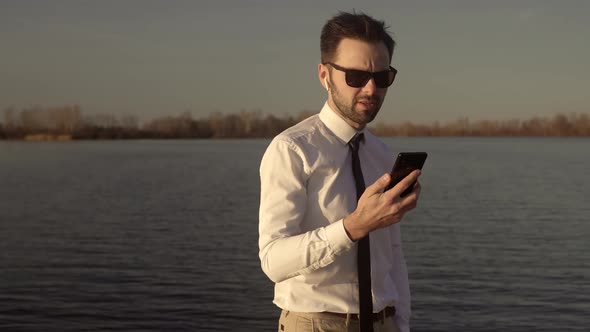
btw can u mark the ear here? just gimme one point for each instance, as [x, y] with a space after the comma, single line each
[323, 75]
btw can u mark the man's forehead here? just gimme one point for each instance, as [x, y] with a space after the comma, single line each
[359, 52]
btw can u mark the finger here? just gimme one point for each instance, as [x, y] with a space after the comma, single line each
[416, 188]
[406, 182]
[378, 185]
[408, 202]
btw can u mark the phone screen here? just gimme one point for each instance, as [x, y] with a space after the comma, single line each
[406, 163]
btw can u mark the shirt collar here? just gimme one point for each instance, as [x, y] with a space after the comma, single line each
[337, 125]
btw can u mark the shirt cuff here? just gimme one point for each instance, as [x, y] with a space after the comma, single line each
[337, 237]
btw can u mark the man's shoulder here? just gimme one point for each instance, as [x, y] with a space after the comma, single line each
[376, 142]
[301, 132]
[295, 143]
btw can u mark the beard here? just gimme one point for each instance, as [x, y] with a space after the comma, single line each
[362, 109]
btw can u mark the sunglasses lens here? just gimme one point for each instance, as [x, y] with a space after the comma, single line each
[384, 79]
[357, 78]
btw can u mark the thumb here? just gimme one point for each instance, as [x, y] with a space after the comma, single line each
[378, 185]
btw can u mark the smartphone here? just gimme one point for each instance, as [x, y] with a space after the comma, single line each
[405, 163]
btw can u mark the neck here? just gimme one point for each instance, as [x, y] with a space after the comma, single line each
[351, 123]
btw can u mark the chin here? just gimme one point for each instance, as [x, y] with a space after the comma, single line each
[364, 118]
[368, 114]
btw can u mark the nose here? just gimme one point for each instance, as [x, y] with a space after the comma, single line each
[370, 88]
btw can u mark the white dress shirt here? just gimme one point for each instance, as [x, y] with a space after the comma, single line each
[307, 188]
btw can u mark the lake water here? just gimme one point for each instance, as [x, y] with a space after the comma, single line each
[162, 236]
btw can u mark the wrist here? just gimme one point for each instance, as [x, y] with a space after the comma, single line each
[352, 229]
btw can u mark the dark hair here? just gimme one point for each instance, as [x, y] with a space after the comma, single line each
[354, 26]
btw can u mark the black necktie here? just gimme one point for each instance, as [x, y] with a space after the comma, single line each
[364, 250]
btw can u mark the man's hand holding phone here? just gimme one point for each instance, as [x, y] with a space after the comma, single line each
[386, 201]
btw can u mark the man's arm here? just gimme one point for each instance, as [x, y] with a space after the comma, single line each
[285, 249]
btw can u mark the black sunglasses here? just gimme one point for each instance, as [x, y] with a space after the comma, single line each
[359, 78]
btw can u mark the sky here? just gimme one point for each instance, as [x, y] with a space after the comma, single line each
[478, 59]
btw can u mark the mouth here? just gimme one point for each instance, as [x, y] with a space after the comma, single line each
[368, 103]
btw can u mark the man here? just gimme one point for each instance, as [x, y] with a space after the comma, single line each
[311, 223]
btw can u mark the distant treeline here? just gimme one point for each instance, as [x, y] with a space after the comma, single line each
[557, 125]
[67, 122]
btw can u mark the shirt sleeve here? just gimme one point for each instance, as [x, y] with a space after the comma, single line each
[286, 250]
[400, 277]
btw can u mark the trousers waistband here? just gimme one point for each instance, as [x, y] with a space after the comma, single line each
[377, 316]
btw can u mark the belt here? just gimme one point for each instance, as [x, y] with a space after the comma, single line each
[377, 316]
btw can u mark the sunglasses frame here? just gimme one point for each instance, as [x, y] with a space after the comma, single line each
[367, 73]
